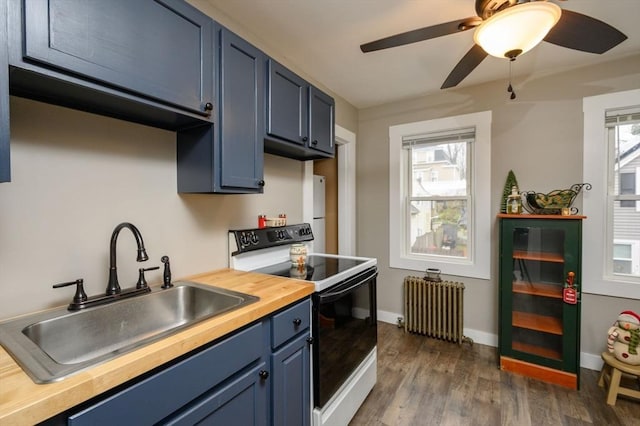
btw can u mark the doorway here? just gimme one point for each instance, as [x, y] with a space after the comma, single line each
[345, 203]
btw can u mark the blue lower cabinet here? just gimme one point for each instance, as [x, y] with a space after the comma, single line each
[291, 383]
[155, 398]
[247, 379]
[241, 402]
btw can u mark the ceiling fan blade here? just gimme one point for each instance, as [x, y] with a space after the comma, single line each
[421, 34]
[467, 64]
[582, 32]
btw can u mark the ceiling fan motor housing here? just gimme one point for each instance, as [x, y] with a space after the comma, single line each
[487, 8]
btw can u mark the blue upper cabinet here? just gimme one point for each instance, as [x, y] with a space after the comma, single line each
[288, 105]
[241, 113]
[147, 61]
[321, 121]
[300, 118]
[228, 157]
[160, 49]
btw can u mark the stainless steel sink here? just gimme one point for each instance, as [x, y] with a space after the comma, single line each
[51, 345]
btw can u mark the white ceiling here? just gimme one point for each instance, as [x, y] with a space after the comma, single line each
[322, 39]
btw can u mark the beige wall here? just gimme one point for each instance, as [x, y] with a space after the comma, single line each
[539, 136]
[77, 175]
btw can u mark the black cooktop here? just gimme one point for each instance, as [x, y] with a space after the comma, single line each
[317, 268]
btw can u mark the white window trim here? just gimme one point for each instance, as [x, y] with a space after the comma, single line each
[595, 227]
[479, 264]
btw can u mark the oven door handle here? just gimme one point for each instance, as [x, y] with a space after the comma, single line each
[334, 295]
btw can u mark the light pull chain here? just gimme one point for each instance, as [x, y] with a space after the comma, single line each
[510, 88]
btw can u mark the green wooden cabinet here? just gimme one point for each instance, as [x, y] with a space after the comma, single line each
[539, 333]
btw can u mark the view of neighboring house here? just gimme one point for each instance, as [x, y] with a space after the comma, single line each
[626, 213]
[438, 199]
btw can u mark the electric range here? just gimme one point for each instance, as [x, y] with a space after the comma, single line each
[343, 315]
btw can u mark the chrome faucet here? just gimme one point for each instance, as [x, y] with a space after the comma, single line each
[113, 287]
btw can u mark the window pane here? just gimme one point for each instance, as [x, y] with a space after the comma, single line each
[621, 267]
[439, 170]
[626, 142]
[439, 227]
[626, 240]
[622, 251]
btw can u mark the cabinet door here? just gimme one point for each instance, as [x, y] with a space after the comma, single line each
[241, 122]
[287, 104]
[291, 383]
[321, 121]
[180, 385]
[537, 325]
[161, 49]
[243, 401]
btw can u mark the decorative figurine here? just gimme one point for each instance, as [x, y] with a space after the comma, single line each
[624, 338]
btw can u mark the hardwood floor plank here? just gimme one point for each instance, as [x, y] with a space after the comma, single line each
[424, 381]
[486, 401]
[514, 400]
[543, 407]
[572, 406]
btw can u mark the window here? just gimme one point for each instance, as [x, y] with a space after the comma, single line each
[440, 195]
[611, 253]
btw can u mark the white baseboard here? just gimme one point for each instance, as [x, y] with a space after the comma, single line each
[389, 317]
[587, 360]
[591, 361]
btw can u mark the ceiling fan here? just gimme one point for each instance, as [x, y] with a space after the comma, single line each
[508, 28]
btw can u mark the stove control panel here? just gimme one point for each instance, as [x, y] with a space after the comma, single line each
[244, 240]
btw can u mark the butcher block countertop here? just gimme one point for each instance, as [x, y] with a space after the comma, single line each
[24, 402]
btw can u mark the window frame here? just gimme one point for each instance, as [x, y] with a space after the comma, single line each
[478, 264]
[597, 258]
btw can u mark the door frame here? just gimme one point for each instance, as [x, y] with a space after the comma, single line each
[346, 146]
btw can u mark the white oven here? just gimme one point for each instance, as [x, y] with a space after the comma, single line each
[344, 332]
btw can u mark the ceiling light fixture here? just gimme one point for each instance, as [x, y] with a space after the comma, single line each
[517, 29]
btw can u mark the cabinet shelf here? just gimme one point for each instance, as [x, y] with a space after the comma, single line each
[538, 256]
[537, 322]
[536, 350]
[538, 289]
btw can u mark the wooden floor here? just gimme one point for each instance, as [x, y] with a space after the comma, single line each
[424, 381]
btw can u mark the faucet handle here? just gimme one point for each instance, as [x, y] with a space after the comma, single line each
[80, 295]
[142, 282]
[166, 276]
